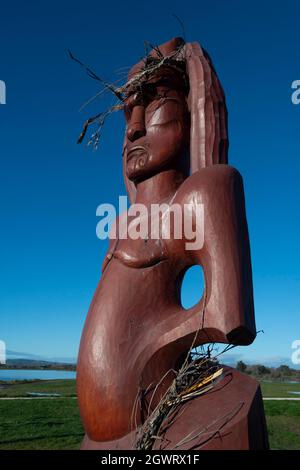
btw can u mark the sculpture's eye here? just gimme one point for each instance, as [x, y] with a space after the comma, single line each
[149, 92]
[163, 111]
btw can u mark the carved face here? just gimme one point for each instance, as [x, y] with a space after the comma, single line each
[157, 133]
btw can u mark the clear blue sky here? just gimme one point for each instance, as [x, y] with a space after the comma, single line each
[50, 187]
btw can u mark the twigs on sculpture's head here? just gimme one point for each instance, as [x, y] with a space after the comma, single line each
[151, 65]
[181, 25]
[99, 120]
[92, 74]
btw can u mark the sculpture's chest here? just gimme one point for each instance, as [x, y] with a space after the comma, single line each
[147, 240]
[140, 253]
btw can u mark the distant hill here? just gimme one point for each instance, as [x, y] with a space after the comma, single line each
[36, 364]
[16, 355]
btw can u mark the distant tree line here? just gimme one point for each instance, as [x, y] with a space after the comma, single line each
[282, 372]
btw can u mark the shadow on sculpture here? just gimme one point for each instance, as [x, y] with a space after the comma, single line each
[137, 334]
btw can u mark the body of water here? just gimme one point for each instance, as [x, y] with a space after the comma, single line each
[12, 374]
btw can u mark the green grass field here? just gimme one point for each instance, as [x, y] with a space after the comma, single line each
[40, 424]
[280, 389]
[66, 388]
[283, 421]
[55, 423]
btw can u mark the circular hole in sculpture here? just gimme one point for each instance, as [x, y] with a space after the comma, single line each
[192, 287]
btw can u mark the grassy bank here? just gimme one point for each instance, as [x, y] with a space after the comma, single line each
[40, 424]
[280, 389]
[65, 388]
[283, 421]
[55, 423]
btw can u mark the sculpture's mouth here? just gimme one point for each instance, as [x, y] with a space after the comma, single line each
[136, 151]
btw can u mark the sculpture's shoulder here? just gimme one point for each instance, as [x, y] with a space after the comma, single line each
[196, 186]
[190, 190]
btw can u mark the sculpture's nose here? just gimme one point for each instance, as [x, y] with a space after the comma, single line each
[136, 127]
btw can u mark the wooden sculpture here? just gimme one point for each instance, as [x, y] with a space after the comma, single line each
[175, 151]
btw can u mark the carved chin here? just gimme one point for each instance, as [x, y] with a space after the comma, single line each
[137, 166]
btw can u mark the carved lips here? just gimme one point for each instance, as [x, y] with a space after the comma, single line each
[136, 151]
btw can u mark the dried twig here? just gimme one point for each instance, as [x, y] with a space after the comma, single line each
[151, 66]
[193, 379]
[93, 75]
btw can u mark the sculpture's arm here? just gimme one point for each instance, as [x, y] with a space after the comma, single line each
[225, 255]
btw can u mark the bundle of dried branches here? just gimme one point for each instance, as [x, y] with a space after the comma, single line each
[151, 66]
[197, 375]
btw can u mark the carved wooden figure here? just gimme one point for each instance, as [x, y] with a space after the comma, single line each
[175, 151]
